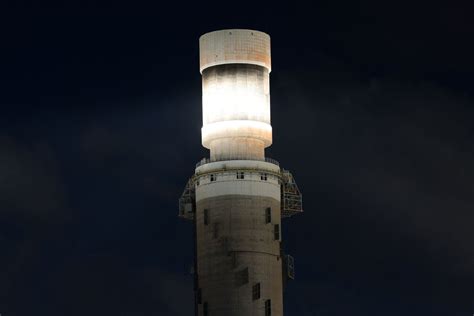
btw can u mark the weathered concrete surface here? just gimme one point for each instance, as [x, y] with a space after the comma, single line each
[237, 237]
[234, 46]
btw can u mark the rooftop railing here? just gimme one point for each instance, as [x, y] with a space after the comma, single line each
[204, 161]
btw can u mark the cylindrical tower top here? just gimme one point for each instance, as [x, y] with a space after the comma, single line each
[235, 67]
[235, 46]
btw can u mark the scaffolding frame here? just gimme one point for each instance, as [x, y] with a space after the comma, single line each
[291, 198]
[187, 201]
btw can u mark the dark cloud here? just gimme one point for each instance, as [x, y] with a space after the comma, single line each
[107, 283]
[29, 179]
[33, 204]
[388, 167]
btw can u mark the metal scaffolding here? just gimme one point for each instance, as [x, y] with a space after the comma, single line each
[187, 201]
[291, 198]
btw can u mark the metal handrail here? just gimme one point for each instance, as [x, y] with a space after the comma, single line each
[204, 161]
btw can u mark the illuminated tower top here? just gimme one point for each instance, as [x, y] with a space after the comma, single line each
[235, 66]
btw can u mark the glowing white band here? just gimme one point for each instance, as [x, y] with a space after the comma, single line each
[237, 128]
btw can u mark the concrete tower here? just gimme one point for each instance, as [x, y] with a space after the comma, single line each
[237, 198]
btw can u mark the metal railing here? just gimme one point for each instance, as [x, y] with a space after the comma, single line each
[204, 161]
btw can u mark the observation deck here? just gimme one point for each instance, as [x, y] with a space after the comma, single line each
[291, 197]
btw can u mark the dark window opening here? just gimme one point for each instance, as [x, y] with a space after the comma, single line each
[206, 216]
[268, 215]
[268, 307]
[213, 177]
[240, 175]
[256, 291]
[263, 176]
[276, 231]
[205, 309]
[242, 277]
[199, 296]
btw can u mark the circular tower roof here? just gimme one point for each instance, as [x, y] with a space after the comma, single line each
[234, 46]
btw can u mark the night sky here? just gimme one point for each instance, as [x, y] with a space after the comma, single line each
[372, 111]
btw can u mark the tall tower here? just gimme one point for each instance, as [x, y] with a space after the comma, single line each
[236, 199]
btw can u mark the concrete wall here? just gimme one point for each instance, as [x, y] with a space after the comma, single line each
[235, 240]
[234, 46]
[225, 182]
